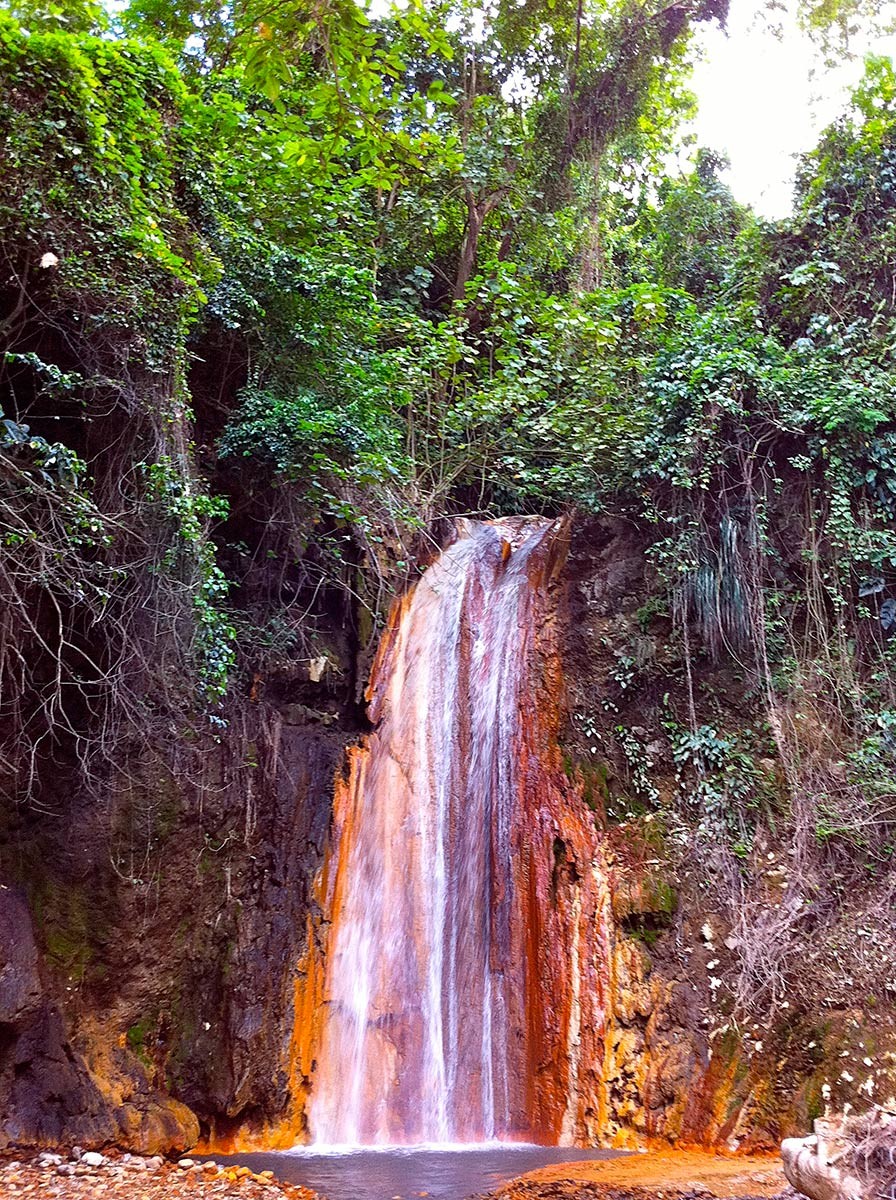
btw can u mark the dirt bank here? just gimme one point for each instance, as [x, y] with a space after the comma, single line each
[643, 1176]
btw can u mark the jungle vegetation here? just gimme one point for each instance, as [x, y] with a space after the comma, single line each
[285, 285]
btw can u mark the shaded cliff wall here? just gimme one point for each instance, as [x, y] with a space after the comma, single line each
[149, 941]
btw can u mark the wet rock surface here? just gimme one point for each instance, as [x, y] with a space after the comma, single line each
[128, 1012]
[95, 1176]
[420, 864]
[684, 937]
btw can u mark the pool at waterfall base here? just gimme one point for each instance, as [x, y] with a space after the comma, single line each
[410, 1172]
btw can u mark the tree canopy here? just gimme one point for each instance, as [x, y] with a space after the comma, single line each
[290, 284]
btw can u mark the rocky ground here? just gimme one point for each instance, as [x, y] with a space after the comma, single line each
[94, 1176]
[663, 1175]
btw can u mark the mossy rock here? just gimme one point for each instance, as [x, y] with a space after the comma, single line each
[645, 896]
[62, 915]
[136, 1039]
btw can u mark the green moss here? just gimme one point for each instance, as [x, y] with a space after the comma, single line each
[148, 811]
[595, 785]
[211, 865]
[741, 1071]
[183, 932]
[168, 811]
[136, 1039]
[68, 929]
[644, 932]
[813, 1101]
[662, 895]
[68, 950]
[649, 895]
[727, 1047]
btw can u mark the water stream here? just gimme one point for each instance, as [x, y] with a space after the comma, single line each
[416, 1045]
[460, 886]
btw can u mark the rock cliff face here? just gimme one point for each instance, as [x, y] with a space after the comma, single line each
[150, 942]
[693, 1054]
[47, 1091]
[163, 954]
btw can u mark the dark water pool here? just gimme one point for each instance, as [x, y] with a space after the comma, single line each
[412, 1172]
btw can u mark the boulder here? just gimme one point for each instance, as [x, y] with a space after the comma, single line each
[813, 1166]
[46, 1094]
[49, 1093]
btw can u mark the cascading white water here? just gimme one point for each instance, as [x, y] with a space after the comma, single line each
[422, 1029]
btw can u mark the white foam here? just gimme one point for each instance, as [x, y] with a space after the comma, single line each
[332, 1151]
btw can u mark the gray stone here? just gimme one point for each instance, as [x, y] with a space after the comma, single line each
[812, 1173]
[20, 987]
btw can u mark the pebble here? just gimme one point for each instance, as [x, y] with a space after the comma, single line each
[47, 1176]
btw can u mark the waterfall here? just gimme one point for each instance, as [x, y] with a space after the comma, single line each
[437, 1016]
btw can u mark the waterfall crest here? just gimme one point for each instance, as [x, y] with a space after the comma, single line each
[450, 900]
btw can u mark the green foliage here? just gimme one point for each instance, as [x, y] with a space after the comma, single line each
[190, 551]
[96, 136]
[53, 461]
[418, 272]
[107, 262]
[637, 762]
[306, 437]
